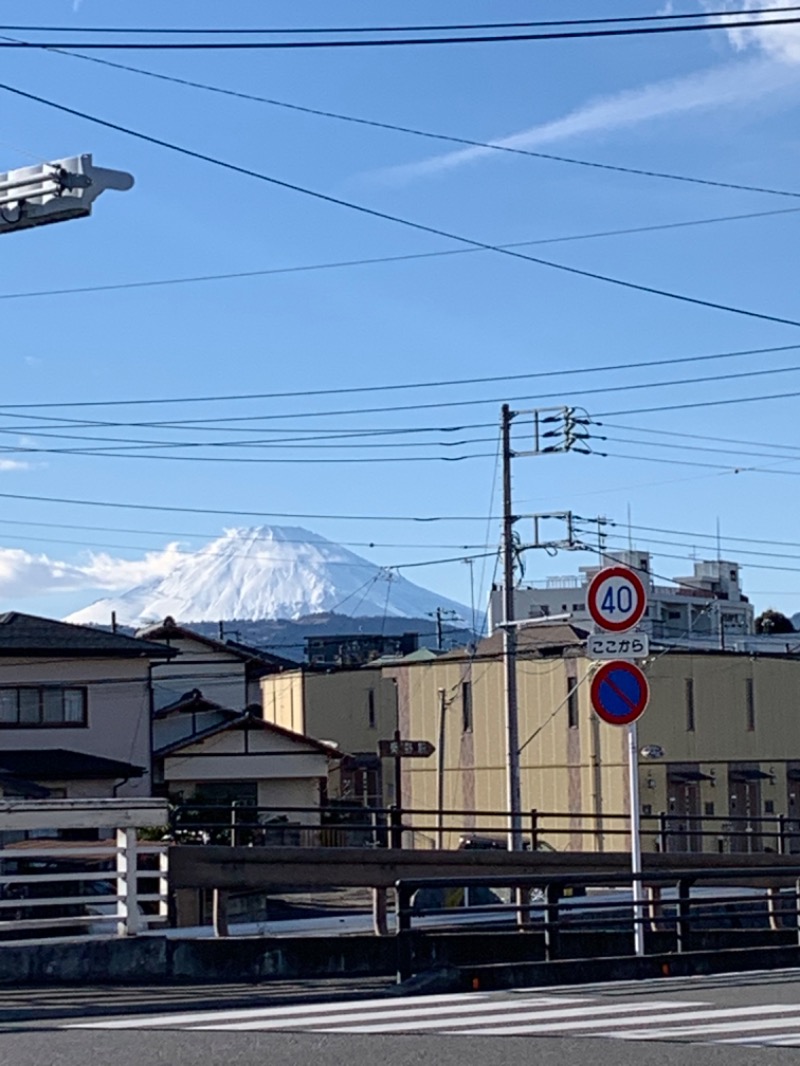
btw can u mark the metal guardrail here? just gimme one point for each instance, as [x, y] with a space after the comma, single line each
[338, 826]
[572, 904]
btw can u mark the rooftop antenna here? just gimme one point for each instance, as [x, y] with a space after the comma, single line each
[630, 534]
[719, 547]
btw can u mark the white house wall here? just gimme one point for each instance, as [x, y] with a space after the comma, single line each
[118, 712]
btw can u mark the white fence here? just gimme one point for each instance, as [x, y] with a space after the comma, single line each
[52, 884]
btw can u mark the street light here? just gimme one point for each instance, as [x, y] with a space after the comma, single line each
[55, 192]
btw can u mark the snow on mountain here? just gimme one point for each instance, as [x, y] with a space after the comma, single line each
[268, 572]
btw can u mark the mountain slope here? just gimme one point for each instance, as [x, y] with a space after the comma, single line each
[268, 572]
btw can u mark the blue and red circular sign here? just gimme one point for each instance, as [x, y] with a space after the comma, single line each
[619, 692]
[616, 598]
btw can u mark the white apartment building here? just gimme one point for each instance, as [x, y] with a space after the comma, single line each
[708, 606]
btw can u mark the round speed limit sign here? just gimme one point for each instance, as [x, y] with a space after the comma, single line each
[616, 599]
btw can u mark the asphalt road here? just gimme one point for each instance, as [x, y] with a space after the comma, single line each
[671, 1021]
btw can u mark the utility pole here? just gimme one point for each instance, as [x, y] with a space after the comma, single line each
[440, 614]
[571, 434]
[514, 794]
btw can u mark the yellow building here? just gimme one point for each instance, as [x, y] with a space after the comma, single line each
[728, 725]
[352, 708]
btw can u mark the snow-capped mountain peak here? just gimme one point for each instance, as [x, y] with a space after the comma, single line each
[267, 572]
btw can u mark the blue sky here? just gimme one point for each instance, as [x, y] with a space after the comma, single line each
[712, 105]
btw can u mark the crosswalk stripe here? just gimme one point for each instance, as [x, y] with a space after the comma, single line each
[557, 1020]
[187, 1018]
[711, 1028]
[409, 1011]
[784, 1040]
[597, 1022]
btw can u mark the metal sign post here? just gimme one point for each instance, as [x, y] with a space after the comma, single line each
[637, 888]
[617, 600]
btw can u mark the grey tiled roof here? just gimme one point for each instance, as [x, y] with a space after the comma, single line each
[27, 634]
[59, 764]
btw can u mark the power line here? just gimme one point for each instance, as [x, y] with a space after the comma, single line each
[699, 436]
[425, 27]
[395, 42]
[699, 448]
[215, 534]
[270, 556]
[698, 404]
[383, 259]
[560, 395]
[416, 132]
[387, 217]
[354, 389]
[173, 509]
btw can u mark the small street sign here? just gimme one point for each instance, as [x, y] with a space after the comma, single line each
[634, 644]
[405, 749]
[619, 692]
[616, 599]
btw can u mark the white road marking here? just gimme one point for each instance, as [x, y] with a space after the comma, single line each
[557, 1020]
[414, 1004]
[754, 1020]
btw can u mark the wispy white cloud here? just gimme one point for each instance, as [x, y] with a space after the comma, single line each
[24, 573]
[771, 74]
[14, 464]
[778, 42]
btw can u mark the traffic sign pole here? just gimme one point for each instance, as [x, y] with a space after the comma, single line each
[637, 888]
[617, 600]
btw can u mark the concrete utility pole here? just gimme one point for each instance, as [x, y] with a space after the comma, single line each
[54, 192]
[573, 433]
[513, 790]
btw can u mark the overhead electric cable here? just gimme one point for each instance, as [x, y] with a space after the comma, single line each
[172, 508]
[383, 259]
[421, 28]
[561, 395]
[427, 134]
[353, 389]
[698, 404]
[387, 217]
[396, 42]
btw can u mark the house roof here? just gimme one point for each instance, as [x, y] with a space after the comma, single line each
[18, 786]
[192, 703]
[530, 639]
[31, 636]
[258, 662]
[250, 719]
[58, 764]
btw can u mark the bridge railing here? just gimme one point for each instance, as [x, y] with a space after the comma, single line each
[418, 828]
[80, 868]
[759, 906]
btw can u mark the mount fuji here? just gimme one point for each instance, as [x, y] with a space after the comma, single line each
[268, 572]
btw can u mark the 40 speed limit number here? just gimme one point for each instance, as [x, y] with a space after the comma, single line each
[616, 599]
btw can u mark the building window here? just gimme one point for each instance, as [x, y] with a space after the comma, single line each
[690, 705]
[709, 809]
[466, 707]
[769, 806]
[673, 615]
[750, 705]
[572, 703]
[44, 706]
[371, 708]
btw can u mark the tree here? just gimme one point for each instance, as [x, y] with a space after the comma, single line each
[770, 621]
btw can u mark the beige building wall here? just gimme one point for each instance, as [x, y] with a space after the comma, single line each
[219, 675]
[350, 708]
[118, 715]
[282, 700]
[728, 725]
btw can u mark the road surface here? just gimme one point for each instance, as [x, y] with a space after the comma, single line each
[730, 1019]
